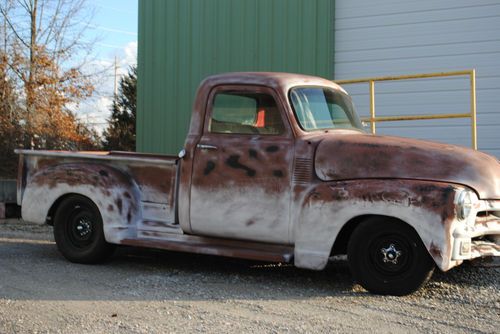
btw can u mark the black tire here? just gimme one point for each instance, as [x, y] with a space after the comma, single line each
[387, 257]
[78, 231]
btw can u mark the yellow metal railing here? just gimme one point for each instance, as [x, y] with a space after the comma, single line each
[373, 118]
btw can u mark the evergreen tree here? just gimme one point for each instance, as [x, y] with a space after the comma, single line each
[120, 134]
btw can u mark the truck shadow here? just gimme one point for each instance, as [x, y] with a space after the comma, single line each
[34, 270]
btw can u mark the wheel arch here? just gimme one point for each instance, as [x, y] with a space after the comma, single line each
[79, 231]
[342, 239]
[53, 208]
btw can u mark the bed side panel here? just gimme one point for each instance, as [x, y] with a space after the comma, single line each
[124, 191]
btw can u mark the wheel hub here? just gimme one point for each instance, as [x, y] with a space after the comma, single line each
[83, 228]
[391, 254]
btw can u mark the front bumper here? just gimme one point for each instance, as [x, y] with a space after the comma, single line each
[479, 236]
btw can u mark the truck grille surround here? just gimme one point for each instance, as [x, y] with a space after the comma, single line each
[487, 231]
[483, 238]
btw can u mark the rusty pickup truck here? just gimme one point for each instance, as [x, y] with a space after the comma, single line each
[276, 167]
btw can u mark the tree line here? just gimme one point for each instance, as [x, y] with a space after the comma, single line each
[43, 79]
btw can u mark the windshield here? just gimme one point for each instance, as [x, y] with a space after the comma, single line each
[318, 108]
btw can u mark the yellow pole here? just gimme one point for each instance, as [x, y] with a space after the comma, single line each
[415, 117]
[473, 111]
[372, 106]
[404, 77]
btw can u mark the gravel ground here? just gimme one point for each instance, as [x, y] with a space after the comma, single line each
[143, 291]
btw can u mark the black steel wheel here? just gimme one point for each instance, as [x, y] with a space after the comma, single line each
[78, 231]
[387, 257]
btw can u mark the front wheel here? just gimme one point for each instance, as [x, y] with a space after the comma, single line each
[78, 231]
[387, 257]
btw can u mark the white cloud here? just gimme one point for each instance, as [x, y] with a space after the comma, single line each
[96, 110]
[130, 52]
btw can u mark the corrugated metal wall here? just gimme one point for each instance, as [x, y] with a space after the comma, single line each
[183, 41]
[390, 37]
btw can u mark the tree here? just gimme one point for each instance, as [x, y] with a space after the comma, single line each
[10, 125]
[41, 39]
[42, 77]
[120, 134]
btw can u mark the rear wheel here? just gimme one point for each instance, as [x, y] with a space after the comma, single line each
[387, 257]
[78, 231]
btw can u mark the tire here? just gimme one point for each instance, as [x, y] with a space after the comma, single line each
[387, 257]
[78, 231]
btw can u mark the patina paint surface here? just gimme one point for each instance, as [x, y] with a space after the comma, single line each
[360, 156]
[131, 195]
[241, 182]
[242, 189]
[279, 84]
[426, 206]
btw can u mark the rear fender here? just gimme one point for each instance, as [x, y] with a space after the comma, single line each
[115, 194]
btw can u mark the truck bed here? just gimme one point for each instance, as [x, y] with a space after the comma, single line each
[135, 192]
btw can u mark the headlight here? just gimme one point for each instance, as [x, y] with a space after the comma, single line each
[465, 202]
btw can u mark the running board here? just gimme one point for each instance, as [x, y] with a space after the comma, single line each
[221, 247]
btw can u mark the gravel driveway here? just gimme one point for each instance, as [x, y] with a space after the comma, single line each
[142, 291]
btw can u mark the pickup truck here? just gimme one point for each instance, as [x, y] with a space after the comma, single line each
[276, 167]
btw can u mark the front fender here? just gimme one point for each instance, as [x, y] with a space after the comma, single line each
[114, 193]
[426, 206]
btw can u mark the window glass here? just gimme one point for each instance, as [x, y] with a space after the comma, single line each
[245, 113]
[318, 108]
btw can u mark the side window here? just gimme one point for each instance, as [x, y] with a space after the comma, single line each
[245, 113]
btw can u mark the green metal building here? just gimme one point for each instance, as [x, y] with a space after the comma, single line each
[183, 41]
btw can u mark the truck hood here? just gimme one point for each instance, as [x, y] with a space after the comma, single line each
[347, 156]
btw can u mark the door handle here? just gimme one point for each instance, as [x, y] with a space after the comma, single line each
[206, 147]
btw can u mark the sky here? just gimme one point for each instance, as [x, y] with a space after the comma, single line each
[114, 26]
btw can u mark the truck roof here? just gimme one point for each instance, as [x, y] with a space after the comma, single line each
[280, 82]
[270, 79]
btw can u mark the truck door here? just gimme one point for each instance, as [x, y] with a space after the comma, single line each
[241, 182]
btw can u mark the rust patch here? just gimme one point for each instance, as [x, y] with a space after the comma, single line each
[233, 162]
[433, 196]
[119, 205]
[278, 173]
[74, 174]
[155, 182]
[339, 194]
[213, 246]
[272, 149]
[129, 215]
[156, 224]
[252, 153]
[486, 220]
[111, 208]
[209, 168]
[435, 252]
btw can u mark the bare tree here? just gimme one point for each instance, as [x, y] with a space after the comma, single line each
[46, 52]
